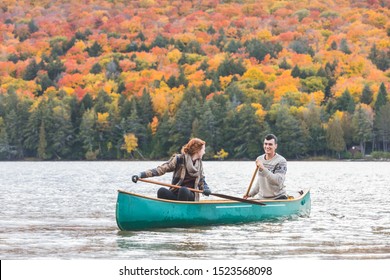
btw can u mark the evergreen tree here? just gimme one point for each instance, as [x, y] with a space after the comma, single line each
[381, 97]
[96, 69]
[204, 90]
[113, 70]
[380, 58]
[333, 46]
[145, 108]
[54, 68]
[208, 129]
[301, 46]
[213, 124]
[61, 133]
[135, 125]
[88, 133]
[126, 108]
[381, 100]
[33, 129]
[182, 125]
[382, 125]
[160, 41]
[31, 71]
[367, 95]
[292, 140]
[101, 102]
[172, 81]
[189, 109]
[95, 50]
[42, 145]
[45, 82]
[141, 36]
[296, 72]
[162, 142]
[87, 102]
[132, 47]
[32, 26]
[344, 46]
[204, 66]
[231, 67]
[230, 138]
[312, 119]
[330, 69]
[345, 102]
[222, 39]
[211, 30]
[194, 47]
[76, 111]
[321, 72]
[284, 64]
[17, 114]
[362, 122]
[259, 50]
[182, 78]
[5, 148]
[236, 95]
[233, 46]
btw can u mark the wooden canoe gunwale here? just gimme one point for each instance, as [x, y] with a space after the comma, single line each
[213, 200]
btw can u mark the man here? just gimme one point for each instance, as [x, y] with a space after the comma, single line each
[272, 171]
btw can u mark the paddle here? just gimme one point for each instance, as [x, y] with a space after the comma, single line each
[250, 185]
[200, 191]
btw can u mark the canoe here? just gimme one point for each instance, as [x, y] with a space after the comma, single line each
[138, 212]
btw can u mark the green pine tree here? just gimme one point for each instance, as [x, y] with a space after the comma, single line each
[381, 97]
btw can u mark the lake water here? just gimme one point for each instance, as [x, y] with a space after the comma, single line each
[66, 210]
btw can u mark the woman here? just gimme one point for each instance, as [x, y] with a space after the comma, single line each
[187, 171]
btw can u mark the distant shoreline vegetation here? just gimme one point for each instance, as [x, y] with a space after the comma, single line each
[126, 79]
[375, 156]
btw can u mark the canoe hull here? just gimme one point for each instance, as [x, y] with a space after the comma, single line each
[137, 212]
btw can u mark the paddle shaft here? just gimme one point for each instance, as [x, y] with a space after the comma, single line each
[167, 185]
[250, 185]
[199, 191]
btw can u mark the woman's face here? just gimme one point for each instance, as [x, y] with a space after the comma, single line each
[201, 152]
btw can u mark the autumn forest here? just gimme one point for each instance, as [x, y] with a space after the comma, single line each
[124, 79]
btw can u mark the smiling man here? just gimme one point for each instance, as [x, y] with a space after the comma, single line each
[272, 171]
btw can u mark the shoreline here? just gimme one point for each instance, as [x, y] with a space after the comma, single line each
[368, 159]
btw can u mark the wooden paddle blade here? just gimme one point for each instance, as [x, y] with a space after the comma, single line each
[238, 199]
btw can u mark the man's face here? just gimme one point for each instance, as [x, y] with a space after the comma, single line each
[270, 146]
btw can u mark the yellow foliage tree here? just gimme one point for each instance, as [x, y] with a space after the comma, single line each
[196, 79]
[154, 125]
[354, 85]
[283, 84]
[264, 34]
[130, 143]
[254, 73]
[165, 98]
[260, 112]
[221, 155]
[225, 81]
[102, 121]
[174, 55]
[216, 61]
[317, 97]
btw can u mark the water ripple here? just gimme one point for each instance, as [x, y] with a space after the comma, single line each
[66, 210]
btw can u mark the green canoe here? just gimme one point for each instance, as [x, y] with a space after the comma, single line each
[138, 212]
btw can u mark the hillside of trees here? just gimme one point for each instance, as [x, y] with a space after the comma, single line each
[124, 79]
